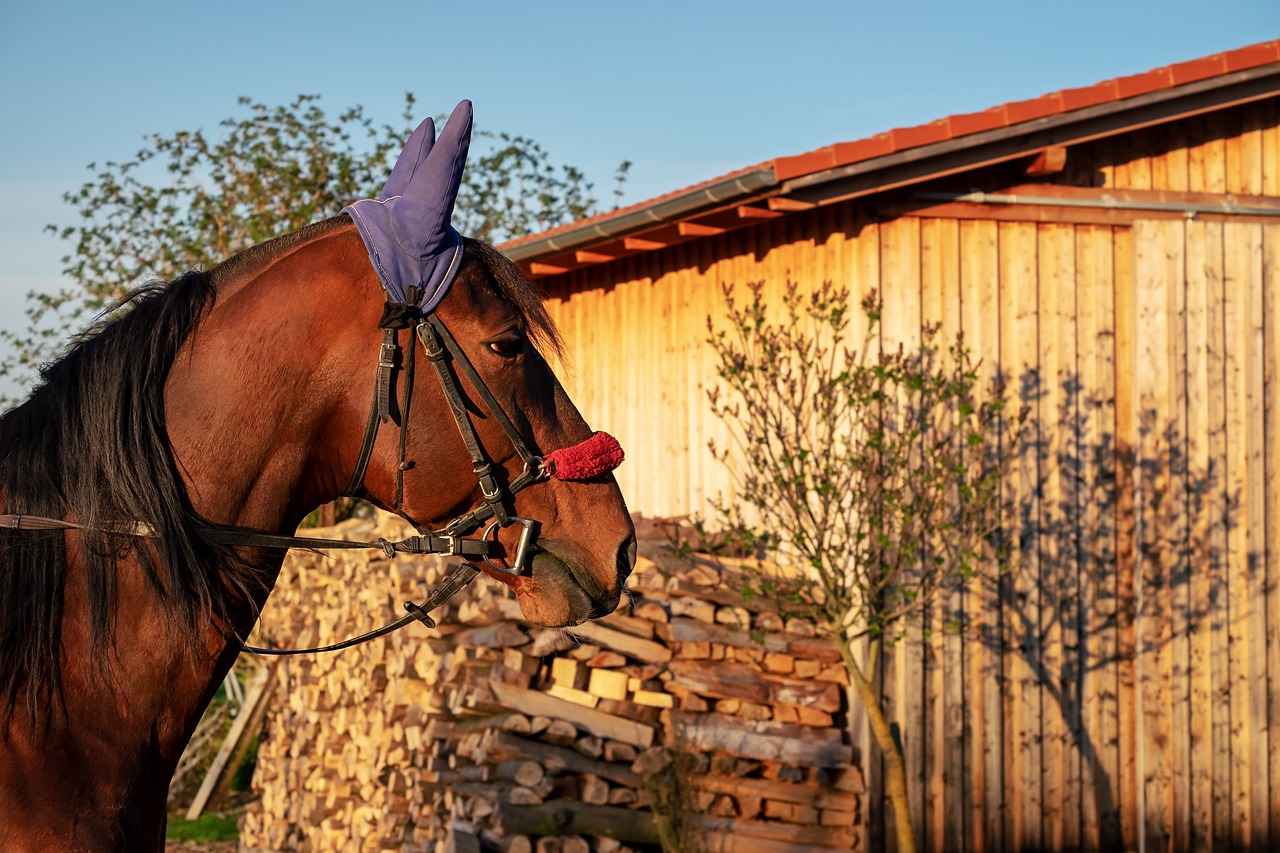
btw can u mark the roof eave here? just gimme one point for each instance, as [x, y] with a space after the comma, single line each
[787, 191]
[1020, 140]
[670, 209]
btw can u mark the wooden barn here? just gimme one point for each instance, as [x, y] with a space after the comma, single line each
[1114, 252]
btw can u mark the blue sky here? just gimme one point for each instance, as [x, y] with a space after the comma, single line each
[686, 90]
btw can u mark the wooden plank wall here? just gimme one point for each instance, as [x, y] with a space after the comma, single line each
[1120, 689]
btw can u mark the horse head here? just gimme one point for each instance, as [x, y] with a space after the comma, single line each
[568, 542]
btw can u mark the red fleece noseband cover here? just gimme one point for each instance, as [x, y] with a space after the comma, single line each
[598, 455]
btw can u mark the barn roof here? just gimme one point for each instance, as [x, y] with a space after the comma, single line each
[1019, 129]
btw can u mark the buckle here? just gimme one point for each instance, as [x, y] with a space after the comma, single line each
[539, 469]
[490, 489]
[387, 356]
[451, 543]
[527, 537]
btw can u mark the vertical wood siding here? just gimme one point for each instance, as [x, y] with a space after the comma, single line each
[1120, 689]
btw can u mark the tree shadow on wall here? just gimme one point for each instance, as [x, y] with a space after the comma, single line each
[1119, 585]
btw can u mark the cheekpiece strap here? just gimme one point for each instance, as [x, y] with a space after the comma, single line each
[388, 358]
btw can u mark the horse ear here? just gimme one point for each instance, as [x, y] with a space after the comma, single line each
[416, 149]
[426, 206]
[406, 229]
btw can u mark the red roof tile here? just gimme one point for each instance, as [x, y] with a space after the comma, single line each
[803, 164]
[921, 134]
[1198, 69]
[1253, 55]
[966, 123]
[863, 149]
[1016, 112]
[951, 127]
[1140, 84]
[1056, 103]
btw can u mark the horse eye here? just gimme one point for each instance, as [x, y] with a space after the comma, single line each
[508, 347]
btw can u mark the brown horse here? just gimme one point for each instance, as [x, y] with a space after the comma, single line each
[239, 397]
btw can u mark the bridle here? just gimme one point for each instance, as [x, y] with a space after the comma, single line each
[442, 350]
[600, 452]
[448, 358]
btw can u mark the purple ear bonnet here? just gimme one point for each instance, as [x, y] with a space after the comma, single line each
[406, 228]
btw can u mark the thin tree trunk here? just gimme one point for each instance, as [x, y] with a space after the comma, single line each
[895, 774]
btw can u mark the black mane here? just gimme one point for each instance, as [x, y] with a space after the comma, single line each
[518, 292]
[91, 445]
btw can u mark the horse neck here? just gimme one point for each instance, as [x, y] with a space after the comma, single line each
[256, 405]
[260, 403]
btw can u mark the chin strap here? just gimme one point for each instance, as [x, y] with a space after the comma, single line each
[594, 457]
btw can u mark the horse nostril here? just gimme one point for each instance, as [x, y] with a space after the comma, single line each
[626, 559]
[604, 607]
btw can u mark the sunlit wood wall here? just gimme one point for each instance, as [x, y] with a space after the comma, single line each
[1120, 688]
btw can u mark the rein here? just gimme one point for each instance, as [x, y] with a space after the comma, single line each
[597, 455]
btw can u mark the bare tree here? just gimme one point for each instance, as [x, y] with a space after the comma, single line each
[878, 475]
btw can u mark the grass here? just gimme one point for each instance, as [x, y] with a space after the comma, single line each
[207, 827]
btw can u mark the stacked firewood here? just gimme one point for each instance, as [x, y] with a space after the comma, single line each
[693, 718]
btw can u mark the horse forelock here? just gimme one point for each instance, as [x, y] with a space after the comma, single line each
[512, 285]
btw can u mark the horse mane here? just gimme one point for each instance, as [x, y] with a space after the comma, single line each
[91, 445]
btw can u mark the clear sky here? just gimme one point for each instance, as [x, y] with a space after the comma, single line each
[686, 90]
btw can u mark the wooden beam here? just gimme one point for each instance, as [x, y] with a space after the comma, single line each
[1119, 197]
[748, 212]
[696, 229]
[787, 205]
[641, 244]
[718, 732]
[1050, 161]
[741, 681]
[507, 745]
[686, 630]
[584, 257]
[637, 627]
[740, 836]
[258, 693]
[1109, 207]
[546, 269]
[595, 722]
[819, 797]
[645, 650]
[563, 817]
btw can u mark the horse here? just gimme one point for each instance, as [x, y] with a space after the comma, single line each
[235, 399]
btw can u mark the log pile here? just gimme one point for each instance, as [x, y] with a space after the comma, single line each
[689, 718]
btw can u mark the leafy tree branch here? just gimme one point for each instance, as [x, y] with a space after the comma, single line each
[190, 199]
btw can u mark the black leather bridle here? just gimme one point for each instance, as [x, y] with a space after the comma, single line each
[443, 351]
[448, 358]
